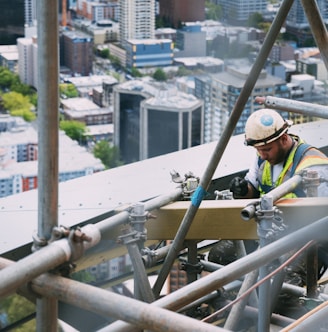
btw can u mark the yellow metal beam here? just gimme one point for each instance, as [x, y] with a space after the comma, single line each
[221, 219]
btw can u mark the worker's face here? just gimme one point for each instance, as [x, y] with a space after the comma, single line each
[273, 152]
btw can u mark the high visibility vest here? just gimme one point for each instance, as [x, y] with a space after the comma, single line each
[300, 157]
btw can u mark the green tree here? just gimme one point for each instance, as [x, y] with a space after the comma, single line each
[109, 155]
[183, 71]
[7, 78]
[213, 11]
[135, 72]
[13, 100]
[255, 19]
[73, 129]
[18, 105]
[159, 75]
[68, 90]
[104, 53]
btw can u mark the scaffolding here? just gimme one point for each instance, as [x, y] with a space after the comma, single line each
[39, 276]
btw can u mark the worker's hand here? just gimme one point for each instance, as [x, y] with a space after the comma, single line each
[239, 187]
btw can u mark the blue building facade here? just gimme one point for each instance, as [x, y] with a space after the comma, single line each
[149, 53]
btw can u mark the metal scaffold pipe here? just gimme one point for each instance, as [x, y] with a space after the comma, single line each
[318, 27]
[45, 259]
[294, 106]
[48, 133]
[220, 147]
[109, 304]
[235, 270]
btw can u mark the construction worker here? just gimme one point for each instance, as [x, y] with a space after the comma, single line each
[280, 155]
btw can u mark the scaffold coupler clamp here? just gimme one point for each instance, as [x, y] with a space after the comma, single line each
[269, 219]
[189, 183]
[136, 231]
[223, 194]
[192, 268]
[311, 181]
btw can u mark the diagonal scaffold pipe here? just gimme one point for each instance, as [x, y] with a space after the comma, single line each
[220, 147]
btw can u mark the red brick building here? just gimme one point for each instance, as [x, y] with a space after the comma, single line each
[179, 11]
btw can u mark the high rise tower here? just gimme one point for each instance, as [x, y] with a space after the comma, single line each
[137, 19]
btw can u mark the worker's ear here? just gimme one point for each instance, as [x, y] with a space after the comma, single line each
[284, 138]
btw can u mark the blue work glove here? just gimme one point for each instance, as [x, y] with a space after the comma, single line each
[239, 186]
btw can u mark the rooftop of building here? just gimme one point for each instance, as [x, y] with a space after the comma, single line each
[6, 49]
[161, 94]
[173, 99]
[236, 76]
[100, 129]
[19, 135]
[72, 157]
[194, 61]
[149, 41]
[79, 104]
[92, 80]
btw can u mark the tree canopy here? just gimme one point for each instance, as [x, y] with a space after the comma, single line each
[109, 155]
[73, 129]
[68, 90]
[160, 75]
[18, 105]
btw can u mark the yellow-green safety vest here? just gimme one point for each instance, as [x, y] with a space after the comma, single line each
[305, 157]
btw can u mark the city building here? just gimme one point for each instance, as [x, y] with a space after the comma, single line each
[297, 23]
[206, 64]
[86, 111]
[191, 41]
[212, 116]
[9, 57]
[30, 27]
[99, 88]
[97, 10]
[12, 21]
[166, 33]
[19, 159]
[237, 12]
[76, 50]
[220, 92]
[141, 53]
[282, 52]
[312, 66]
[176, 12]
[137, 19]
[152, 119]
[27, 61]
[102, 32]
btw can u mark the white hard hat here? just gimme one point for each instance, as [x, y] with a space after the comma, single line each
[265, 126]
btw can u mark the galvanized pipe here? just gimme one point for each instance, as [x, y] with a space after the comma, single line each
[236, 312]
[110, 304]
[43, 260]
[189, 293]
[318, 27]
[294, 106]
[220, 147]
[142, 287]
[285, 188]
[48, 132]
